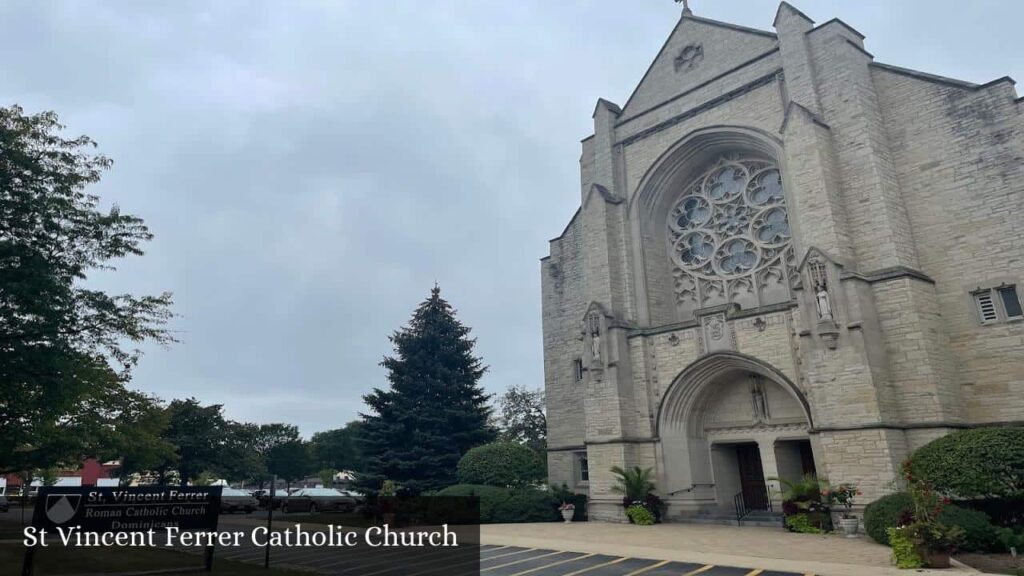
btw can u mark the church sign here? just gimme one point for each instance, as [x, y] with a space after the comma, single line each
[106, 513]
[128, 509]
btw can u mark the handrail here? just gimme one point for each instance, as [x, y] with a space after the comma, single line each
[741, 507]
[692, 486]
[740, 504]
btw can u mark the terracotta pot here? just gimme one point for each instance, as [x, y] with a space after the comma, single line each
[937, 559]
[850, 526]
[567, 515]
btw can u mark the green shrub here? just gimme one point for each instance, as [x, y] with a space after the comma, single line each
[801, 523]
[579, 501]
[526, 505]
[895, 509]
[640, 515]
[505, 464]
[979, 533]
[887, 512]
[904, 549]
[489, 497]
[1009, 539]
[508, 505]
[974, 463]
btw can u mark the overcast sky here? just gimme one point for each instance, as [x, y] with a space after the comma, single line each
[310, 168]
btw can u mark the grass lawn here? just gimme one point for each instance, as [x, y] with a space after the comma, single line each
[58, 560]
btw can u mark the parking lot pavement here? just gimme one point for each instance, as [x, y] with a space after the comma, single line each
[516, 561]
[498, 560]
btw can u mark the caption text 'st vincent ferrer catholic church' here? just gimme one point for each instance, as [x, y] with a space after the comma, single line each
[788, 258]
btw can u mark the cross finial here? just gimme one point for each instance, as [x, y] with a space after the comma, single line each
[686, 6]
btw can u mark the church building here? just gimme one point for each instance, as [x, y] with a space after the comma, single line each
[788, 258]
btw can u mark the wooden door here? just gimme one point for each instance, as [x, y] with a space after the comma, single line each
[751, 476]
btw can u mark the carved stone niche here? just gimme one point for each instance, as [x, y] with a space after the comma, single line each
[818, 291]
[716, 332]
[598, 349]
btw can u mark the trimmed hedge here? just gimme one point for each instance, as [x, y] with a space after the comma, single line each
[977, 463]
[504, 505]
[894, 509]
[501, 464]
[886, 512]
[979, 533]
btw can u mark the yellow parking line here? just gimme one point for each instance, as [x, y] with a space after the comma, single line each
[616, 561]
[508, 554]
[560, 562]
[754, 572]
[495, 549]
[646, 568]
[700, 570]
[523, 560]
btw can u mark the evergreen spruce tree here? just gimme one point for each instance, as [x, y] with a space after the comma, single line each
[434, 410]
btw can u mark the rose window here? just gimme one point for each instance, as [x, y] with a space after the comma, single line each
[730, 223]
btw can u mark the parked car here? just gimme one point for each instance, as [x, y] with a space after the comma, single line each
[232, 500]
[357, 495]
[315, 500]
[4, 504]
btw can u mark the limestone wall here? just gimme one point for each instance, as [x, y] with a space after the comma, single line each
[958, 152]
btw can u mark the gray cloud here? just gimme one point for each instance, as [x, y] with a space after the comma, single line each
[310, 169]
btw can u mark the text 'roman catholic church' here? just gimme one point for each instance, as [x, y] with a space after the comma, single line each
[788, 258]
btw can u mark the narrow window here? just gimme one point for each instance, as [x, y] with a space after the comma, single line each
[577, 367]
[584, 467]
[1011, 302]
[986, 307]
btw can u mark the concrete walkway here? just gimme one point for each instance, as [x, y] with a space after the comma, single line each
[764, 548]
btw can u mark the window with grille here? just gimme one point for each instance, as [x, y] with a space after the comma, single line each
[577, 369]
[998, 304]
[582, 467]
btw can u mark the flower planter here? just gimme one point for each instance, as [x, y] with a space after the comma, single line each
[567, 515]
[937, 559]
[850, 526]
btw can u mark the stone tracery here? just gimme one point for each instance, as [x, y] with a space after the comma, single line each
[729, 234]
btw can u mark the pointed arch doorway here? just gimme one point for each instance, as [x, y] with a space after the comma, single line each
[727, 426]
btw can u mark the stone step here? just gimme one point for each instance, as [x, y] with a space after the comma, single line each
[756, 518]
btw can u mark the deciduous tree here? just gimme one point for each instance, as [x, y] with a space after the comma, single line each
[56, 334]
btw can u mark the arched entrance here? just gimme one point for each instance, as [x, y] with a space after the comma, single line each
[727, 426]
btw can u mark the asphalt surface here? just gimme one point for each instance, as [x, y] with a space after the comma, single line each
[495, 561]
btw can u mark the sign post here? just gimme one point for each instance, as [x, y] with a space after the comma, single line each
[114, 509]
[270, 519]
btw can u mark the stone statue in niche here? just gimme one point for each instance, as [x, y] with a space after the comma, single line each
[824, 307]
[595, 337]
[758, 400]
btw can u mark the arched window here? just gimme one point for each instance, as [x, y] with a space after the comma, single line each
[729, 236]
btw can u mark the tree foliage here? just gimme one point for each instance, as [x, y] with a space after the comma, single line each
[290, 461]
[506, 464]
[522, 419]
[434, 410]
[976, 463]
[56, 335]
[339, 449]
[198, 434]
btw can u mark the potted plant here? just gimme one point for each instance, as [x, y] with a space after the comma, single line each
[933, 540]
[844, 495]
[567, 509]
[804, 505]
[637, 489]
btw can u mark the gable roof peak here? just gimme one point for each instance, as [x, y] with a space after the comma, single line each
[789, 8]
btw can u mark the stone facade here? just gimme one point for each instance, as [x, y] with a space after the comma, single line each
[788, 257]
